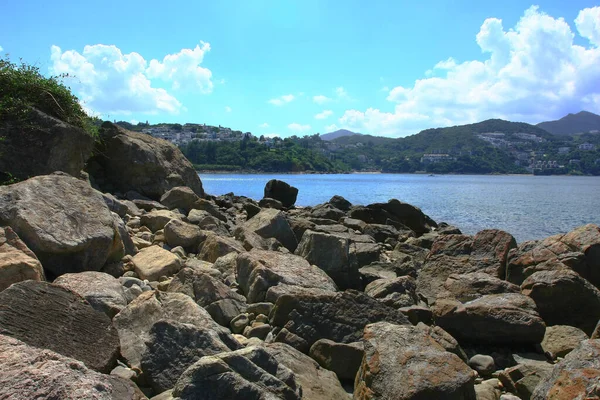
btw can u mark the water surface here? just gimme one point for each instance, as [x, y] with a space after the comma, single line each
[529, 207]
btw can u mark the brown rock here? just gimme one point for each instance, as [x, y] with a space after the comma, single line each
[17, 262]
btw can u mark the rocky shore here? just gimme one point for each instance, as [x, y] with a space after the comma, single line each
[127, 281]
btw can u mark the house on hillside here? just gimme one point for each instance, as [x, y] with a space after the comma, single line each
[587, 147]
[436, 158]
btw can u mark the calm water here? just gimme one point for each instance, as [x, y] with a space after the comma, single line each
[529, 207]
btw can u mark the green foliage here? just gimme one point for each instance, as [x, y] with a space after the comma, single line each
[23, 86]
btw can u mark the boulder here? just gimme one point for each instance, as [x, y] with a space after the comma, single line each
[394, 212]
[222, 303]
[157, 219]
[340, 203]
[17, 262]
[43, 145]
[509, 318]
[179, 233]
[126, 160]
[548, 254]
[404, 362]
[215, 246]
[327, 211]
[181, 197]
[279, 190]
[467, 287]
[490, 389]
[135, 321]
[490, 251]
[452, 245]
[259, 270]
[316, 383]
[331, 253]
[172, 347]
[268, 202]
[397, 292]
[523, 378]
[29, 372]
[103, 291]
[483, 364]
[586, 239]
[250, 373]
[271, 223]
[342, 358]
[62, 220]
[153, 262]
[435, 272]
[575, 377]
[340, 317]
[563, 297]
[52, 317]
[559, 340]
[211, 208]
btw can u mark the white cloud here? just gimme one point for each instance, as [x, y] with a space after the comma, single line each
[271, 135]
[227, 109]
[134, 122]
[331, 128]
[295, 127]
[323, 115]
[282, 100]
[533, 72]
[588, 24]
[320, 99]
[183, 69]
[1, 49]
[263, 125]
[341, 93]
[110, 82]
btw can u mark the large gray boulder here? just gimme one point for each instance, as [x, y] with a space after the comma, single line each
[509, 318]
[250, 373]
[103, 291]
[575, 377]
[43, 146]
[282, 191]
[135, 321]
[342, 358]
[341, 317]
[154, 262]
[172, 347]
[62, 220]
[559, 340]
[126, 160]
[29, 372]
[181, 197]
[17, 262]
[52, 317]
[404, 362]
[259, 270]
[215, 246]
[563, 297]
[271, 223]
[467, 287]
[317, 383]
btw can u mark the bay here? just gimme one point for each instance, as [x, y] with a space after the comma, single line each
[529, 207]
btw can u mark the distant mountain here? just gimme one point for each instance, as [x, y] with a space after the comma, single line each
[337, 134]
[581, 122]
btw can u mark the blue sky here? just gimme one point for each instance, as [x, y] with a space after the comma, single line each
[391, 68]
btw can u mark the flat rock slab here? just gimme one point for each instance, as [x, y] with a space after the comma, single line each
[27, 372]
[259, 270]
[63, 220]
[340, 317]
[509, 318]
[52, 317]
[404, 362]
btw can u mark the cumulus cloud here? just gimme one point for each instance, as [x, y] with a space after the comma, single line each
[110, 82]
[323, 115]
[183, 69]
[320, 99]
[227, 109]
[533, 72]
[341, 93]
[298, 128]
[1, 49]
[331, 128]
[282, 100]
[264, 125]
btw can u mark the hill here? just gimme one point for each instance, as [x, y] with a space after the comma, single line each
[581, 122]
[337, 134]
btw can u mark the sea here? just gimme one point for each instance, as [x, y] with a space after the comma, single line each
[529, 207]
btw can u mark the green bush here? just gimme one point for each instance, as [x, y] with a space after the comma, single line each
[23, 86]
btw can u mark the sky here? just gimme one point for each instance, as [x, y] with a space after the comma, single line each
[283, 67]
